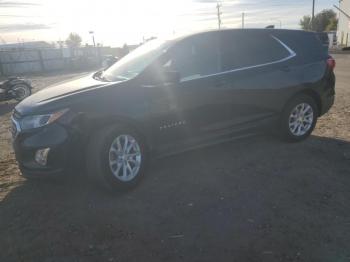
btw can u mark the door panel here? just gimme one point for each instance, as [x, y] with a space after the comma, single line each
[191, 107]
[256, 74]
[221, 94]
[188, 112]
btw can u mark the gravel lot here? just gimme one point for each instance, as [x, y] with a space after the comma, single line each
[250, 200]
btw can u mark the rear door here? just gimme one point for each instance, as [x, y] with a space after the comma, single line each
[255, 70]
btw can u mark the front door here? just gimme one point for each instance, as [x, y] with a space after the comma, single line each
[190, 111]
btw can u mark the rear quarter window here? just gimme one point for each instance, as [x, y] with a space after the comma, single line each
[323, 38]
[307, 46]
[244, 49]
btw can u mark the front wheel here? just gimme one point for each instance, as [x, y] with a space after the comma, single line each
[116, 158]
[299, 118]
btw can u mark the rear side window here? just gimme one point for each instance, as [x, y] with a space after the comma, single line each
[195, 57]
[244, 49]
[307, 46]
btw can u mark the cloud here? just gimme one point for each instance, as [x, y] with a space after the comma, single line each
[16, 4]
[22, 27]
[205, 1]
[17, 16]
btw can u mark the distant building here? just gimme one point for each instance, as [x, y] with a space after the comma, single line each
[132, 47]
[344, 23]
[26, 45]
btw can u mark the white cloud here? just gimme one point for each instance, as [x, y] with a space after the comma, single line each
[118, 21]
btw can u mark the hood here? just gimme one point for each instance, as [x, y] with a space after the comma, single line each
[57, 92]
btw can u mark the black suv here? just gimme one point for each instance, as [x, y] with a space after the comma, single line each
[169, 96]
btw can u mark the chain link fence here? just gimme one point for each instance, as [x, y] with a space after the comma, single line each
[23, 61]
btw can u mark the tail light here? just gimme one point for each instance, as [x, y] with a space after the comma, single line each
[331, 63]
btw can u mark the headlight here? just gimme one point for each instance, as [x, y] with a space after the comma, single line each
[35, 121]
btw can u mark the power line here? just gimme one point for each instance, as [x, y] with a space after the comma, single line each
[342, 11]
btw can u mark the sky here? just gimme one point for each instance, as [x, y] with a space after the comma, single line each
[115, 22]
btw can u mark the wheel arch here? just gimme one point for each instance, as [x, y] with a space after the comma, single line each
[95, 124]
[314, 95]
[298, 97]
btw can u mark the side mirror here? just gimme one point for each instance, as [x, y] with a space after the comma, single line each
[158, 75]
[170, 77]
[97, 74]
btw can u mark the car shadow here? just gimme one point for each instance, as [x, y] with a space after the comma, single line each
[251, 200]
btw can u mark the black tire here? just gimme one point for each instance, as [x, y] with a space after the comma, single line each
[28, 91]
[285, 130]
[98, 167]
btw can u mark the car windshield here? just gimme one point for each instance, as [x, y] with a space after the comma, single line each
[134, 63]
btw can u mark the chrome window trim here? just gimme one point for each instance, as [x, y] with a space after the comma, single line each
[291, 55]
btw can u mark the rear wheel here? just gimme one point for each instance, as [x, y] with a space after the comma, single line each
[299, 118]
[116, 158]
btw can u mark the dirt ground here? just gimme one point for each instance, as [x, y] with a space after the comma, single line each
[257, 199]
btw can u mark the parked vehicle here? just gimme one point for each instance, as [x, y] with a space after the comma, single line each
[169, 96]
[15, 88]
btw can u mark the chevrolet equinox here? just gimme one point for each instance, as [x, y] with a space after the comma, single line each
[168, 96]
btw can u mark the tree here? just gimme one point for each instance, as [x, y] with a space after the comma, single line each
[326, 20]
[305, 22]
[332, 26]
[73, 40]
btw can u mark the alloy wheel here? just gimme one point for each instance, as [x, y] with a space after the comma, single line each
[301, 119]
[125, 157]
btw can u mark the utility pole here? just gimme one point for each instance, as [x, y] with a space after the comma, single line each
[313, 14]
[218, 6]
[243, 19]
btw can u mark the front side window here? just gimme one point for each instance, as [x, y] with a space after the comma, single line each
[134, 63]
[194, 57]
[245, 49]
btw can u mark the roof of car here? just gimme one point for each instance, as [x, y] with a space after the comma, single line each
[267, 30]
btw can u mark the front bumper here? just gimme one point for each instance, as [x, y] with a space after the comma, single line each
[42, 173]
[26, 143]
